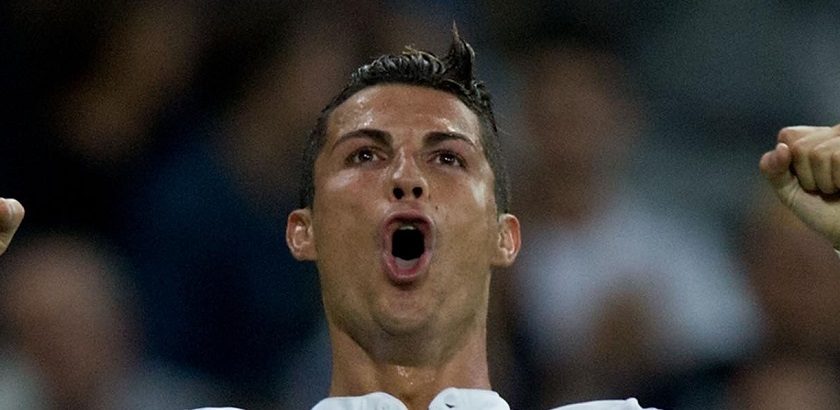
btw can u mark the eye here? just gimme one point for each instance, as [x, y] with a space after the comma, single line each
[449, 158]
[363, 155]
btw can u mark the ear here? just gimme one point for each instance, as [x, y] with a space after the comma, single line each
[509, 242]
[300, 237]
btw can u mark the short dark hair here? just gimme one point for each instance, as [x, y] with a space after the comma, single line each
[452, 73]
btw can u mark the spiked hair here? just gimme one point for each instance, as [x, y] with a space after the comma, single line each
[453, 73]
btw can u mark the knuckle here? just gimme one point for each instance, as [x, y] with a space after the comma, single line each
[793, 133]
[784, 135]
[820, 153]
[814, 156]
[797, 148]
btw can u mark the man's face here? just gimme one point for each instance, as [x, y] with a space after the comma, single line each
[404, 227]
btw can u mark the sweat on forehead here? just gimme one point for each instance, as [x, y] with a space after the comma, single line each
[394, 106]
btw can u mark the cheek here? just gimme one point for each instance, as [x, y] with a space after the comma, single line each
[345, 192]
[344, 215]
[471, 196]
[466, 216]
[482, 195]
[340, 184]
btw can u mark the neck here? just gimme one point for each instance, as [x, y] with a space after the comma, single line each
[358, 371]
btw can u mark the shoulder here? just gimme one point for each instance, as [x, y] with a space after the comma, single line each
[629, 404]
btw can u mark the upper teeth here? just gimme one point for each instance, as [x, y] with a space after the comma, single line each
[407, 227]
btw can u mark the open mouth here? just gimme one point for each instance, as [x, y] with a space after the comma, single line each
[407, 242]
[407, 246]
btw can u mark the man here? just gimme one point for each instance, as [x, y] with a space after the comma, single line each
[405, 213]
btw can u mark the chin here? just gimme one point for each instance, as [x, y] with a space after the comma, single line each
[405, 322]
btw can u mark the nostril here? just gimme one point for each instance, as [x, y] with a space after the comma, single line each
[417, 191]
[398, 193]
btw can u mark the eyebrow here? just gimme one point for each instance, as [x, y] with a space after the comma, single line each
[384, 138]
[378, 136]
[434, 138]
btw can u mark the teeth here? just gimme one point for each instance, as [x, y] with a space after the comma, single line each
[407, 228]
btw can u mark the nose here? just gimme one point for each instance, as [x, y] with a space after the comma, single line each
[399, 193]
[407, 180]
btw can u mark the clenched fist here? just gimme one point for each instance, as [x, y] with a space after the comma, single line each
[11, 214]
[804, 169]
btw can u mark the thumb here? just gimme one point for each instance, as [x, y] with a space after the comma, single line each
[775, 165]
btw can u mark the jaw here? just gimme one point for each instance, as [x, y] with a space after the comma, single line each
[409, 364]
[410, 334]
[431, 321]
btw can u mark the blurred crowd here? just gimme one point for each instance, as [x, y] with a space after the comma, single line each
[156, 145]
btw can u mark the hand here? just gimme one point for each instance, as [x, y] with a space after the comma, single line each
[804, 169]
[11, 214]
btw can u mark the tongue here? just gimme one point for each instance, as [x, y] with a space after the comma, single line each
[406, 264]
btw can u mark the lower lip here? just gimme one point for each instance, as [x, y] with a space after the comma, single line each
[405, 276]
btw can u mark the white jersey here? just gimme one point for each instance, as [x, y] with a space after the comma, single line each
[452, 398]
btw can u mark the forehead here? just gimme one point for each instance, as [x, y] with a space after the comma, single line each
[404, 108]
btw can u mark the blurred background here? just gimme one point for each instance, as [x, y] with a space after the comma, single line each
[155, 145]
